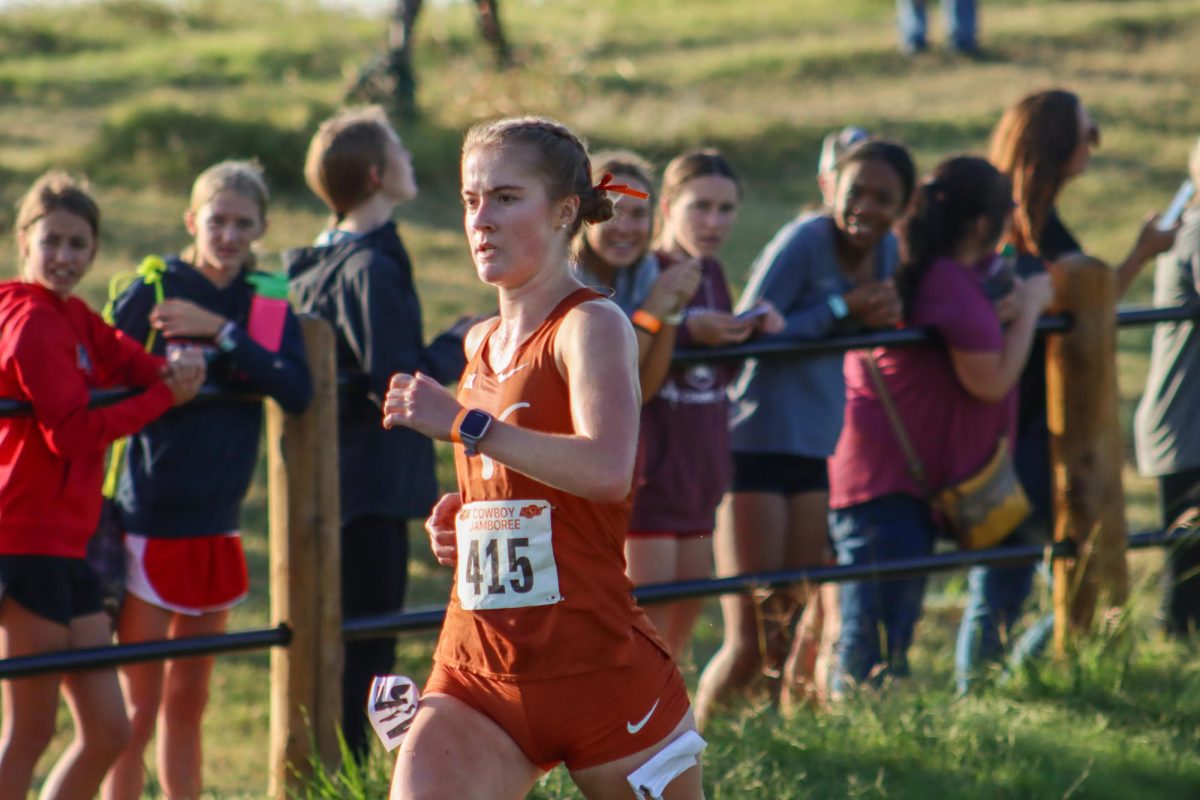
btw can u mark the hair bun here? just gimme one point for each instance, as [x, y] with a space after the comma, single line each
[595, 206]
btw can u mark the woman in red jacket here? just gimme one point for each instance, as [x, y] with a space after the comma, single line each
[53, 351]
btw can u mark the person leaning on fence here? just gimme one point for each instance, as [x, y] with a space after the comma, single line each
[359, 277]
[614, 257]
[1166, 427]
[53, 351]
[825, 273]
[184, 476]
[684, 457]
[1042, 142]
[955, 401]
[543, 656]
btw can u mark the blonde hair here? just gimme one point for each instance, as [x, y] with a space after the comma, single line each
[341, 154]
[243, 178]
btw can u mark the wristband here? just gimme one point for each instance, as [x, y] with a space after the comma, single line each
[458, 418]
[837, 304]
[224, 338]
[676, 318]
[646, 321]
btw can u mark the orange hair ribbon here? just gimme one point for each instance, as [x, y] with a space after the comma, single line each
[606, 185]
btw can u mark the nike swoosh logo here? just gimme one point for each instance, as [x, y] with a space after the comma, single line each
[503, 376]
[629, 726]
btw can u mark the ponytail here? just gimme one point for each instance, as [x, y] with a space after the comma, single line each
[948, 204]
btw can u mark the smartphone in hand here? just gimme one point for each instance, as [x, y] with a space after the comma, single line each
[1178, 204]
[753, 313]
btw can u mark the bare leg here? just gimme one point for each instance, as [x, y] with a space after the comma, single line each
[184, 698]
[492, 31]
[610, 781]
[139, 622]
[400, 68]
[693, 560]
[448, 734]
[808, 544]
[101, 728]
[750, 537]
[651, 559]
[30, 704]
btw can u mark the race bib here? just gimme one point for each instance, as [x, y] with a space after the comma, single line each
[505, 556]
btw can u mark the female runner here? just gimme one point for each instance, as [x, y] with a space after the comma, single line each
[543, 657]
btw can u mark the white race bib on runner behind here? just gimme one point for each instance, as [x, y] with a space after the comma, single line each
[505, 555]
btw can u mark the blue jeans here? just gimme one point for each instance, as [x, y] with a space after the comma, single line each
[891, 527]
[960, 23]
[994, 599]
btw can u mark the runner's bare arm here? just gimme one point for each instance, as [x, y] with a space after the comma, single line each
[597, 355]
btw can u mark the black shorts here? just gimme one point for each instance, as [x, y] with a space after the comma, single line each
[59, 589]
[779, 473]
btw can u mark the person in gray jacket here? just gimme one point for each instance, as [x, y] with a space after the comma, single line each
[1167, 424]
[825, 273]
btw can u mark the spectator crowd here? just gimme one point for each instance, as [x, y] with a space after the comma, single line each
[666, 472]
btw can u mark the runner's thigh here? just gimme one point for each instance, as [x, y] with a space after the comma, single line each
[611, 780]
[453, 751]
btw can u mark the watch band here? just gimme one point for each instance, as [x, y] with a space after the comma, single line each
[837, 304]
[224, 338]
[458, 418]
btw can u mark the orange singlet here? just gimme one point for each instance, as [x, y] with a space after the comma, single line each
[542, 614]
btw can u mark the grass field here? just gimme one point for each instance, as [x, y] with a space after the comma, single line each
[140, 95]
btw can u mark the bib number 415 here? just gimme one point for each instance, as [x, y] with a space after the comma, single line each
[484, 571]
[506, 555]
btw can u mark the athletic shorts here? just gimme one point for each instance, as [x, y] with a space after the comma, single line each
[666, 534]
[56, 588]
[194, 575]
[779, 473]
[581, 720]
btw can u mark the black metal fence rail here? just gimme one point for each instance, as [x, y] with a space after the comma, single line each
[1130, 316]
[424, 619]
[115, 655]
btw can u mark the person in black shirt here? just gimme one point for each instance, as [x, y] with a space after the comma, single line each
[1041, 143]
[359, 278]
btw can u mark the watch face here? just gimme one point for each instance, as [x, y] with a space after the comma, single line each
[474, 424]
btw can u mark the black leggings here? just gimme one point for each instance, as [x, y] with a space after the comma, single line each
[1178, 492]
[374, 576]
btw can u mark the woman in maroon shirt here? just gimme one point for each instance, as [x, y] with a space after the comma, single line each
[685, 460]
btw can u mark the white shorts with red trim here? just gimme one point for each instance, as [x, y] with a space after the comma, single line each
[195, 575]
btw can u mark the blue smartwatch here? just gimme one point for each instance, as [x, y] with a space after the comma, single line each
[837, 304]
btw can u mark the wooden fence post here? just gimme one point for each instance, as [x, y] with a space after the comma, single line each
[1086, 447]
[306, 678]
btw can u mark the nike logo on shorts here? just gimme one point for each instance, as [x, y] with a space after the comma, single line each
[634, 728]
[503, 376]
